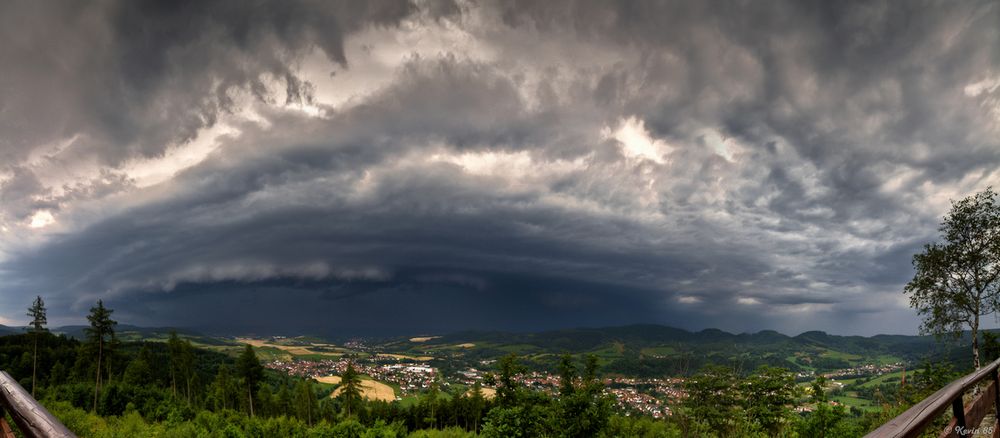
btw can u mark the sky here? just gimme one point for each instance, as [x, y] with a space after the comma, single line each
[393, 167]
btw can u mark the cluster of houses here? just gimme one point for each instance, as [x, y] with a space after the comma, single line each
[630, 399]
[865, 370]
[646, 396]
[411, 378]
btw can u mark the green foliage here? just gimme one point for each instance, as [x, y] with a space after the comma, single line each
[451, 432]
[100, 333]
[711, 397]
[249, 369]
[139, 370]
[36, 326]
[958, 281]
[102, 327]
[991, 347]
[37, 314]
[222, 424]
[507, 389]
[582, 409]
[720, 402]
[224, 393]
[641, 427]
[514, 422]
[567, 375]
[350, 389]
[828, 421]
[767, 397]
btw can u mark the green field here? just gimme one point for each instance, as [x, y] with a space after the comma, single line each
[840, 355]
[884, 379]
[860, 403]
[662, 350]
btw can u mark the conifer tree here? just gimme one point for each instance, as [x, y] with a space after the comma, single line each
[350, 392]
[36, 326]
[249, 369]
[101, 329]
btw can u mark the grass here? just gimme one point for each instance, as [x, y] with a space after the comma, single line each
[841, 355]
[613, 351]
[662, 350]
[886, 359]
[884, 379]
[318, 356]
[520, 349]
[846, 382]
[855, 402]
[408, 401]
[794, 359]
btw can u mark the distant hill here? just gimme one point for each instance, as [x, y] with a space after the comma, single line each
[127, 331]
[649, 349]
[5, 330]
[583, 339]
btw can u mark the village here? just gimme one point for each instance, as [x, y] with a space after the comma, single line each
[631, 395]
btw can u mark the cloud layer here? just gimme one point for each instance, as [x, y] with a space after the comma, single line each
[505, 165]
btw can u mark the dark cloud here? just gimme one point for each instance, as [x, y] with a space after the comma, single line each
[132, 78]
[496, 165]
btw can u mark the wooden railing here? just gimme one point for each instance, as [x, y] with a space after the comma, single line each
[31, 419]
[966, 419]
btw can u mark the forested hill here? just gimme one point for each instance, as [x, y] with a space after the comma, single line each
[654, 349]
[651, 335]
[127, 331]
[5, 330]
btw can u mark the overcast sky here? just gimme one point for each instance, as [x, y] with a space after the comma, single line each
[394, 167]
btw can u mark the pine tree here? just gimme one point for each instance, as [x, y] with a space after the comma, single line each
[350, 384]
[174, 349]
[430, 402]
[139, 370]
[222, 388]
[476, 404]
[507, 388]
[590, 382]
[187, 366]
[305, 401]
[36, 326]
[249, 369]
[101, 328]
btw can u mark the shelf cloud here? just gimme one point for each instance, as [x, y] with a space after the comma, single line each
[399, 167]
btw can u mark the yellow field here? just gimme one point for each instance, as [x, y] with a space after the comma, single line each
[488, 393]
[372, 390]
[423, 338]
[333, 380]
[467, 345]
[292, 349]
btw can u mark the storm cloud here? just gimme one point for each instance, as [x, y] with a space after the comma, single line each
[397, 167]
